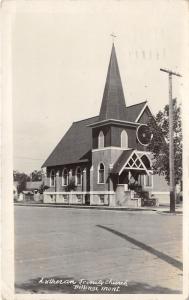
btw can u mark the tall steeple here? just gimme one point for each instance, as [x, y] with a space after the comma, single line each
[113, 101]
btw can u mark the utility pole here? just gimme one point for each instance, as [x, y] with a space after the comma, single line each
[171, 142]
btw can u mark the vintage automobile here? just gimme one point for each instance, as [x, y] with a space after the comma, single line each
[147, 199]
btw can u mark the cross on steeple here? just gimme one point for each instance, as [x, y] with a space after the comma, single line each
[113, 37]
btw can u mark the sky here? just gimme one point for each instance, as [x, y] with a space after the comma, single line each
[60, 56]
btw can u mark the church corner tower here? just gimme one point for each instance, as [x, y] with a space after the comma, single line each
[106, 132]
[113, 101]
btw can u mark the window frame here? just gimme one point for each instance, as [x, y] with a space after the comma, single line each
[101, 140]
[76, 178]
[54, 178]
[125, 135]
[99, 173]
[67, 176]
[151, 179]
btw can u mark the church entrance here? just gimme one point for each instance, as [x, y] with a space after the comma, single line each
[131, 169]
[134, 179]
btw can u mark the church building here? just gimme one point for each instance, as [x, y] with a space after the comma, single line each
[103, 160]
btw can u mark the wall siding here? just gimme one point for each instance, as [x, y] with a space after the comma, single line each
[112, 137]
[145, 116]
[108, 157]
[107, 136]
[160, 184]
[59, 187]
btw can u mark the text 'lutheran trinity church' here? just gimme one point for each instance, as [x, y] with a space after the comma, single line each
[104, 160]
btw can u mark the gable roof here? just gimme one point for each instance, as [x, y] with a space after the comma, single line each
[33, 185]
[133, 111]
[121, 160]
[130, 160]
[75, 146]
[113, 101]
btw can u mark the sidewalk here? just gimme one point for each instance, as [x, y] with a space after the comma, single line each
[161, 209]
[165, 209]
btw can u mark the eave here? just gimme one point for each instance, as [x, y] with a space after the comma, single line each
[114, 122]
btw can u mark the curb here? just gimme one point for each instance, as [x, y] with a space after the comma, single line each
[167, 213]
[155, 210]
[85, 207]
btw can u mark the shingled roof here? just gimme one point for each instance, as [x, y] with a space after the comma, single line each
[133, 111]
[121, 161]
[75, 146]
[113, 101]
[33, 185]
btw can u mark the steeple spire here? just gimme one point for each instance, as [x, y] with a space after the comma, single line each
[113, 101]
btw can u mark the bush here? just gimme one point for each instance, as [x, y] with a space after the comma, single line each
[71, 185]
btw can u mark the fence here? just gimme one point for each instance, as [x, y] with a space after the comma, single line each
[82, 198]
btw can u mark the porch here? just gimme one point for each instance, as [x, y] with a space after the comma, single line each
[132, 179]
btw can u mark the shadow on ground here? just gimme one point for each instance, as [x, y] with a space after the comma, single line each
[168, 259]
[34, 286]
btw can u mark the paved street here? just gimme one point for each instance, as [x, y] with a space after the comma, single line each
[142, 248]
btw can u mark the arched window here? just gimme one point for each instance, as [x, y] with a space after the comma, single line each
[148, 180]
[78, 176]
[146, 161]
[52, 178]
[124, 139]
[65, 177]
[101, 172]
[101, 140]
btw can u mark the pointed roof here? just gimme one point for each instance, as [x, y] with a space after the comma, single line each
[130, 160]
[118, 165]
[113, 101]
[133, 112]
[76, 144]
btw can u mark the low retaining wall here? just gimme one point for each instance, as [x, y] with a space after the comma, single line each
[92, 198]
[64, 198]
[101, 198]
[162, 197]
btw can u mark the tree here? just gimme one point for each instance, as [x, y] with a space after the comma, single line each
[21, 178]
[43, 187]
[159, 145]
[36, 175]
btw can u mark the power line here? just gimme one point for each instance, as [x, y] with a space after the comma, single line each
[170, 72]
